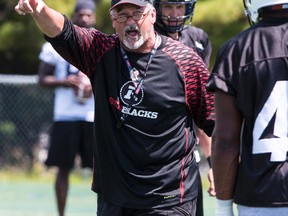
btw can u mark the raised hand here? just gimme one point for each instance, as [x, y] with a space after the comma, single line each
[49, 21]
[29, 6]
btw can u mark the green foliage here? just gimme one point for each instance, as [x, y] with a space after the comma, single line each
[103, 21]
[221, 19]
[7, 128]
[21, 40]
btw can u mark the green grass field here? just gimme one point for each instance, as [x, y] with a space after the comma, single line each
[23, 194]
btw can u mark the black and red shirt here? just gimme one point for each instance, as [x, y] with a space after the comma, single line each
[148, 161]
[195, 38]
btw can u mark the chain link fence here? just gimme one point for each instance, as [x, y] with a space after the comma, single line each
[26, 112]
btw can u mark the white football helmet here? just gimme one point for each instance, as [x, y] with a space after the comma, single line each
[252, 7]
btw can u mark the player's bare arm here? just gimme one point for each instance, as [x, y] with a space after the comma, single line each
[226, 139]
[49, 21]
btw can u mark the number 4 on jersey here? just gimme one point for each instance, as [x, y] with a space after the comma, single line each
[275, 107]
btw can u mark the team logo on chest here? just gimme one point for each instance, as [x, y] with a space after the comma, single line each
[129, 96]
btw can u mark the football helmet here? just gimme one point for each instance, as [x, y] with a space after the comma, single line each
[180, 20]
[252, 7]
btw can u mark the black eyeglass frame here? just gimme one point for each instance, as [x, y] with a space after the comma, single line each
[136, 17]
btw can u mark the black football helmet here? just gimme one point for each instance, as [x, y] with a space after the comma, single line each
[190, 4]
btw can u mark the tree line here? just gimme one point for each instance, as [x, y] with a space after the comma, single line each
[21, 41]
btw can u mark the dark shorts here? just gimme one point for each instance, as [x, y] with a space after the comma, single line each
[107, 209]
[69, 139]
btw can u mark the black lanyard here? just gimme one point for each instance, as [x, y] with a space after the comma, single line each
[135, 77]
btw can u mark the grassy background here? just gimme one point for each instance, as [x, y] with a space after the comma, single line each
[32, 194]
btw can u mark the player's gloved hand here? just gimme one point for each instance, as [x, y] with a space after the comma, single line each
[224, 207]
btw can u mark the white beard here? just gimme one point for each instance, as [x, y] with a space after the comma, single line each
[135, 45]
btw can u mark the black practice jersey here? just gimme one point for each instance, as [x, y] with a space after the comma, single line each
[195, 38]
[253, 67]
[148, 161]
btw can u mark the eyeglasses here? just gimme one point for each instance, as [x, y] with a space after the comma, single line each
[136, 17]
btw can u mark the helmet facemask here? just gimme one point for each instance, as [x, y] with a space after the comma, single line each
[174, 24]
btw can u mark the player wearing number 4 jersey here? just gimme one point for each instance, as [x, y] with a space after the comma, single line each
[250, 143]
